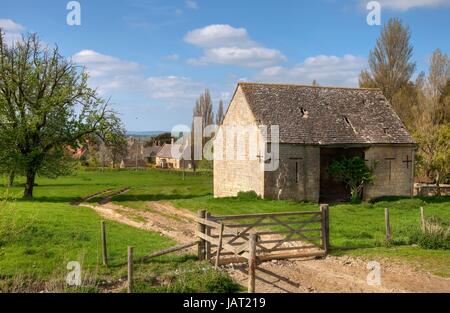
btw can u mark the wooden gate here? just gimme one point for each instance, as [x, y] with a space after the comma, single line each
[226, 239]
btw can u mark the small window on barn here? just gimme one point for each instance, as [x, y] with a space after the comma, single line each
[347, 121]
[386, 130]
[305, 113]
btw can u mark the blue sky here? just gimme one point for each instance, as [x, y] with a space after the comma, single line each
[154, 57]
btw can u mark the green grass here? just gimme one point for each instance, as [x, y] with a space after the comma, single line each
[39, 237]
[61, 232]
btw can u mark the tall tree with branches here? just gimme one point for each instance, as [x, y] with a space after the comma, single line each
[220, 114]
[390, 65]
[46, 106]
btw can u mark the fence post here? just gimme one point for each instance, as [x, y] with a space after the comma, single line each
[104, 251]
[325, 228]
[422, 219]
[219, 246]
[207, 244]
[130, 270]
[388, 224]
[252, 263]
[201, 242]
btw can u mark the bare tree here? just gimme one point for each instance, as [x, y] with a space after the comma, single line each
[220, 114]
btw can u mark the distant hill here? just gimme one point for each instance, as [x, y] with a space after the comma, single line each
[144, 133]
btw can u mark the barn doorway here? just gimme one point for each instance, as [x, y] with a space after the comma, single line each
[332, 191]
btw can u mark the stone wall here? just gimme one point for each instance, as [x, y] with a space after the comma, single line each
[233, 171]
[297, 176]
[393, 171]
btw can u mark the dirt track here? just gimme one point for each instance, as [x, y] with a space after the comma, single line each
[333, 274]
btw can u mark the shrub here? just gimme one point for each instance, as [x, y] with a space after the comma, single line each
[435, 235]
[248, 195]
[354, 173]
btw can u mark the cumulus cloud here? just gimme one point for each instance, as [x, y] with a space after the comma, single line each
[404, 5]
[224, 44]
[110, 74]
[12, 30]
[325, 69]
[100, 65]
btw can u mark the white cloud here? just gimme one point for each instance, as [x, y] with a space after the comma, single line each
[224, 44]
[110, 74]
[218, 36]
[325, 69]
[172, 87]
[191, 4]
[12, 30]
[101, 65]
[404, 5]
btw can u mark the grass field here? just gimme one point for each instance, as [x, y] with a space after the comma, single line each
[49, 232]
[38, 238]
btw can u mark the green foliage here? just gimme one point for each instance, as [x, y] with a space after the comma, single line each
[248, 195]
[353, 172]
[435, 235]
[434, 151]
[46, 107]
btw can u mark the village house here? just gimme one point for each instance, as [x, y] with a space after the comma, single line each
[150, 153]
[165, 158]
[316, 126]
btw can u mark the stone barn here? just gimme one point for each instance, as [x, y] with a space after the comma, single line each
[316, 126]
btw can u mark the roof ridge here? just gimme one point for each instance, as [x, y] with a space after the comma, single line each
[309, 86]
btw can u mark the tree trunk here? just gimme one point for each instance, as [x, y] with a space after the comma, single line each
[29, 185]
[438, 187]
[11, 178]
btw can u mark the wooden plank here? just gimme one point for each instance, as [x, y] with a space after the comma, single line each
[201, 230]
[219, 247]
[281, 232]
[274, 224]
[208, 243]
[325, 230]
[206, 222]
[252, 263]
[290, 240]
[104, 248]
[257, 215]
[130, 270]
[263, 258]
[169, 250]
[224, 245]
[388, 224]
[422, 219]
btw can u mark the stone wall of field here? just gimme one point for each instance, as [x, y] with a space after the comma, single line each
[236, 168]
[393, 171]
[297, 176]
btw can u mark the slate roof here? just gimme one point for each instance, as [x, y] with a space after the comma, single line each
[166, 151]
[326, 115]
[152, 151]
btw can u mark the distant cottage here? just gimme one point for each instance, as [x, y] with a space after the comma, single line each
[317, 125]
[166, 158]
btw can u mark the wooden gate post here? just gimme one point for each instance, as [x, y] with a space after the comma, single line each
[325, 228]
[422, 219]
[219, 246]
[130, 270]
[104, 251]
[252, 263]
[388, 224]
[207, 243]
[201, 242]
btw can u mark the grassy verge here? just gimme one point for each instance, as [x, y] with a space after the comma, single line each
[38, 238]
